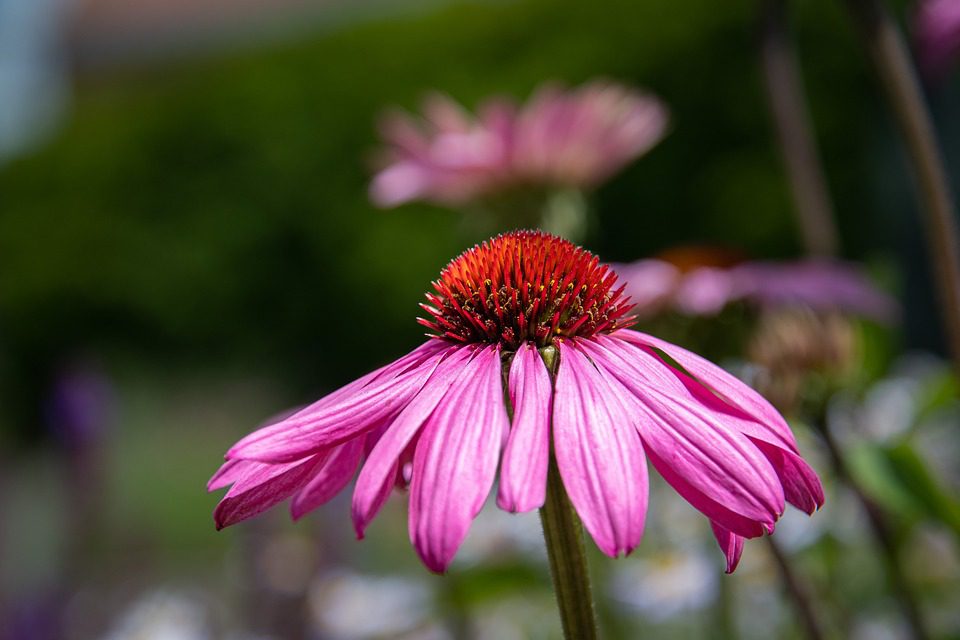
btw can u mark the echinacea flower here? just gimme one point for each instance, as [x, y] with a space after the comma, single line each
[697, 283]
[533, 318]
[937, 36]
[559, 139]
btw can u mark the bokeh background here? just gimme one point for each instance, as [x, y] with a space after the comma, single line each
[187, 248]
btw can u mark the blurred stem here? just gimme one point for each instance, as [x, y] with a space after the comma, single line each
[891, 60]
[788, 106]
[563, 534]
[883, 534]
[798, 594]
[724, 625]
[565, 213]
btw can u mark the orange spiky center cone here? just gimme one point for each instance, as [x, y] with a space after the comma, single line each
[525, 286]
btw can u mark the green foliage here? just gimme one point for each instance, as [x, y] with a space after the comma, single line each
[916, 479]
[217, 210]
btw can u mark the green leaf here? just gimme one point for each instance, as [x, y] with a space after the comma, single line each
[915, 478]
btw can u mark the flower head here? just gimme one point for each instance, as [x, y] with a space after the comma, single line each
[937, 35]
[565, 139]
[603, 398]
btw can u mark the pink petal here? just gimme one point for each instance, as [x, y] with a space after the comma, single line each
[456, 460]
[399, 183]
[229, 472]
[733, 390]
[263, 486]
[711, 508]
[523, 471]
[379, 472]
[719, 463]
[356, 408]
[801, 486]
[599, 455]
[403, 132]
[650, 284]
[730, 543]
[329, 479]
[656, 372]
[800, 483]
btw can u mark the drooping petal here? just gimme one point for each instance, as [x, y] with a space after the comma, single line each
[651, 369]
[721, 464]
[327, 423]
[800, 483]
[733, 390]
[329, 479]
[712, 509]
[523, 470]
[379, 472]
[730, 543]
[456, 460]
[263, 486]
[599, 455]
[801, 486]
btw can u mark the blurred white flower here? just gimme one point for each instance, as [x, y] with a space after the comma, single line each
[760, 611]
[286, 563]
[529, 617]
[667, 584]
[351, 606]
[163, 615]
[503, 536]
[891, 407]
[879, 625]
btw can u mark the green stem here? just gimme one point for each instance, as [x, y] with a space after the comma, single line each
[890, 57]
[883, 534]
[563, 534]
[798, 593]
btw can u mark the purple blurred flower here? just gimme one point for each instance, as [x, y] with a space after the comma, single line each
[576, 138]
[657, 285]
[79, 405]
[937, 36]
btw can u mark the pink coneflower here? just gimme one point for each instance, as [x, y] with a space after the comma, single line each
[701, 282]
[937, 36]
[536, 319]
[559, 139]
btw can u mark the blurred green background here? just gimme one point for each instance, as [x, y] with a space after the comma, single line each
[198, 228]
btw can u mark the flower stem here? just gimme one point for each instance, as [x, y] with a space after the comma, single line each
[563, 534]
[891, 59]
[798, 594]
[882, 533]
[791, 119]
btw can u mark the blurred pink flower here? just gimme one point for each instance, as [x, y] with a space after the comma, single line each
[601, 397]
[576, 138]
[937, 36]
[658, 285]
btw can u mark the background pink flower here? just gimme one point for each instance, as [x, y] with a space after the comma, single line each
[560, 138]
[937, 36]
